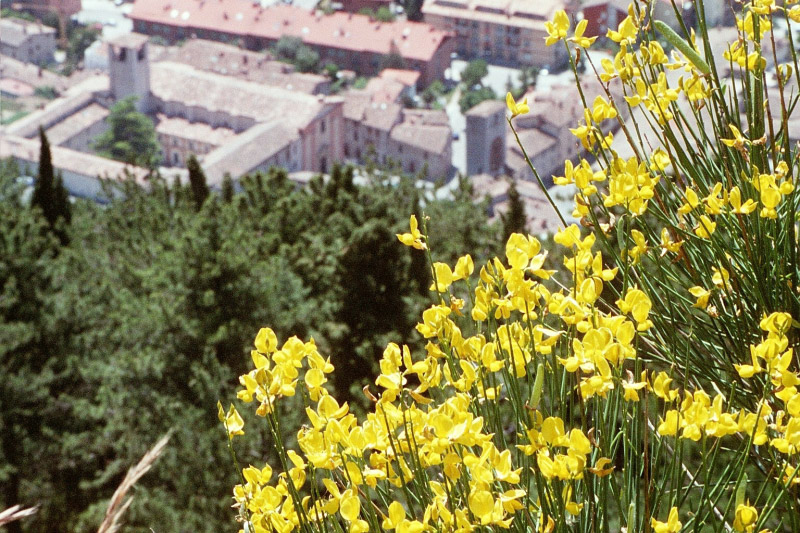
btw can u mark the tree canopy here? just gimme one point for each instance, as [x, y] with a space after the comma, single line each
[144, 319]
[131, 137]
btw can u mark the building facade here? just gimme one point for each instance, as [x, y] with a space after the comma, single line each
[499, 31]
[26, 41]
[486, 138]
[349, 40]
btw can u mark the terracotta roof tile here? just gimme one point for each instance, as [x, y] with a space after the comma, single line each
[346, 31]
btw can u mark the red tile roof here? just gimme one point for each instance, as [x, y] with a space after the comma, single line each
[409, 78]
[346, 31]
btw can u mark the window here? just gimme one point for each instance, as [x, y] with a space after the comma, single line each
[175, 158]
[322, 126]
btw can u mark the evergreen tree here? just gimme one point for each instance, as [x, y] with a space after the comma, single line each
[49, 194]
[197, 182]
[228, 189]
[514, 220]
[30, 356]
[43, 189]
[131, 136]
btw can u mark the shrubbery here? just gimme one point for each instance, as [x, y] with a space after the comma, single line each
[655, 391]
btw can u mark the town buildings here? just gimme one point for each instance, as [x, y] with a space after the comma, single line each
[29, 42]
[40, 7]
[378, 129]
[500, 31]
[351, 41]
[241, 113]
[603, 15]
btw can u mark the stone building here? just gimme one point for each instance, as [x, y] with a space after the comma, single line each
[30, 42]
[499, 31]
[377, 128]
[486, 138]
[349, 40]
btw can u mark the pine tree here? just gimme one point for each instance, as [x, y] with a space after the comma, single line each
[228, 189]
[515, 219]
[49, 194]
[197, 182]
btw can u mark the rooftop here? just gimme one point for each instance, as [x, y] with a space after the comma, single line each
[69, 160]
[486, 108]
[229, 60]
[535, 142]
[63, 131]
[428, 131]
[129, 40]
[30, 74]
[196, 131]
[14, 31]
[519, 13]
[384, 89]
[409, 78]
[16, 87]
[248, 150]
[174, 82]
[346, 31]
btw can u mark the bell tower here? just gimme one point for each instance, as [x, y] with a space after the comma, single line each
[129, 67]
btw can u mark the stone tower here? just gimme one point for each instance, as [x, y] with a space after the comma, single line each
[129, 67]
[486, 138]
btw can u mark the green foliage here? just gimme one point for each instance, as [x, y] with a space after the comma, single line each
[197, 182]
[131, 137]
[292, 50]
[11, 13]
[472, 97]
[474, 73]
[145, 318]
[29, 350]
[433, 92]
[392, 60]
[332, 71]
[413, 9]
[79, 38]
[45, 91]
[49, 194]
[514, 220]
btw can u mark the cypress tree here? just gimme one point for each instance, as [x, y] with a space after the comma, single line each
[43, 192]
[49, 193]
[227, 189]
[515, 219]
[197, 182]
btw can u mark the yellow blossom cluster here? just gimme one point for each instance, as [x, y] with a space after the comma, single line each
[535, 389]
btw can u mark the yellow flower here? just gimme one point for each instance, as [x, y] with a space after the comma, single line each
[746, 518]
[557, 28]
[626, 31]
[702, 296]
[705, 228]
[234, 424]
[415, 237]
[672, 525]
[579, 39]
[516, 108]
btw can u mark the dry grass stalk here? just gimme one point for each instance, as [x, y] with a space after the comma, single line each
[119, 504]
[16, 513]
